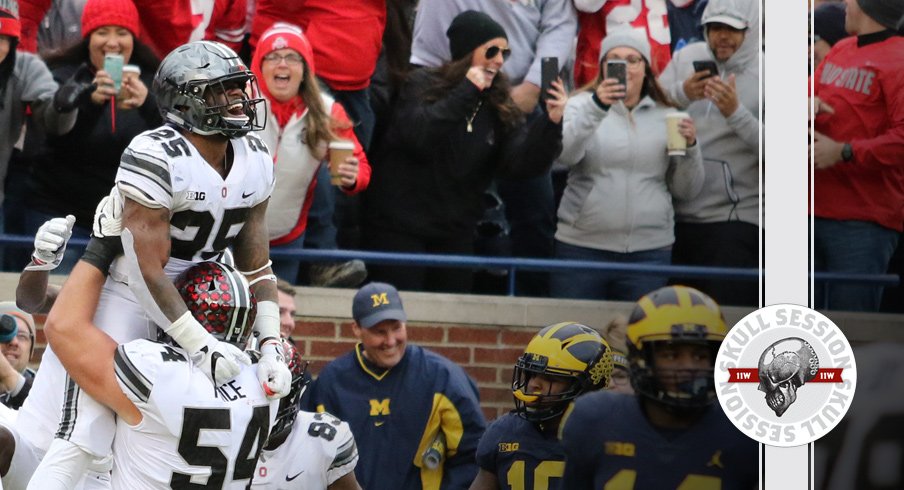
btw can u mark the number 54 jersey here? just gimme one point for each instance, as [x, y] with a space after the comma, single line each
[191, 432]
[162, 169]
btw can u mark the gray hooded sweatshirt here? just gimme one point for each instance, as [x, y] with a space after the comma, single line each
[30, 84]
[730, 145]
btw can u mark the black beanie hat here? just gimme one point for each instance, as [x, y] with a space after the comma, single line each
[469, 30]
[885, 12]
[828, 22]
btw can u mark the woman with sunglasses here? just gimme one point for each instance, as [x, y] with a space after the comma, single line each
[301, 123]
[617, 205]
[454, 128]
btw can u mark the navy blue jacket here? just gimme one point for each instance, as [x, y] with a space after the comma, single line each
[396, 415]
[520, 455]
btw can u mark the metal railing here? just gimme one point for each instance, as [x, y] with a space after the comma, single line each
[513, 264]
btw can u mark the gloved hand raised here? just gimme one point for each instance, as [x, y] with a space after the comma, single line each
[50, 244]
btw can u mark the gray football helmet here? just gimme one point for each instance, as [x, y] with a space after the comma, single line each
[192, 89]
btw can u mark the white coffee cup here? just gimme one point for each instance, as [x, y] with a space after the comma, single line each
[676, 143]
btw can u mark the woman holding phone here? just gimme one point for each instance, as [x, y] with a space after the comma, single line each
[453, 129]
[617, 205]
[70, 173]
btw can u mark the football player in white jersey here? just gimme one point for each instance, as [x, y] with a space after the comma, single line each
[306, 450]
[175, 427]
[189, 189]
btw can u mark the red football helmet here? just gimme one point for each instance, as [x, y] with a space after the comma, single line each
[218, 296]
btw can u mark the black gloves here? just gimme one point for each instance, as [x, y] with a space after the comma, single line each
[75, 91]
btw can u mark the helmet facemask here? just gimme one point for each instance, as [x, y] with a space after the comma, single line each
[540, 407]
[676, 388]
[289, 404]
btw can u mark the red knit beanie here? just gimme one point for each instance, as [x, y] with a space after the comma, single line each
[282, 35]
[99, 13]
[9, 18]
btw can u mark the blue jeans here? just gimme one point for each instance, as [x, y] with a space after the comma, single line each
[856, 247]
[606, 285]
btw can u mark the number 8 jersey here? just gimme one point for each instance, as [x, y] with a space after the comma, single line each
[162, 169]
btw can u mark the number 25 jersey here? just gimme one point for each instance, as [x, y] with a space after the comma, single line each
[162, 169]
[191, 432]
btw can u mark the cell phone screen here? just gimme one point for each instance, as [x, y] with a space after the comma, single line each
[113, 66]
[617, 69]
[549, 71]
[708, 66]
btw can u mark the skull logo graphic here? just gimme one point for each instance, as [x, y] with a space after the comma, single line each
[784, 367]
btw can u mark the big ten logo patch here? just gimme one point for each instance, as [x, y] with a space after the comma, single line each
[785, 375]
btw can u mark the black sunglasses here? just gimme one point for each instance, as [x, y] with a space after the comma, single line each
[492, 51]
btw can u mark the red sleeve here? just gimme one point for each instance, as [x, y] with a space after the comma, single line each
[165, 24]
[346, 131]
[31, 12]
[227, 23]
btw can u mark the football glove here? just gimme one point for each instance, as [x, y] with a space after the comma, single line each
[272, 371]
[108, 216]
[219, 361]
[50, 244]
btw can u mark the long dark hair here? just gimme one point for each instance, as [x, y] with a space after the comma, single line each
[319, 123]
[650, 85]
[496, 96]
[78, 53]
[7, 67]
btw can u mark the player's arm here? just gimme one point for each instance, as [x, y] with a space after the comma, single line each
[252, 257]
[84, 350]
[484, 481]
[146, 243]
[347, 482]
[33, 293]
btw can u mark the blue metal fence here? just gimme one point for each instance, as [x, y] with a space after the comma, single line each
[512, 264]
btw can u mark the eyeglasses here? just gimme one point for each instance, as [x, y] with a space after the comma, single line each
[290, 59]
[632, 60]
[493, 51]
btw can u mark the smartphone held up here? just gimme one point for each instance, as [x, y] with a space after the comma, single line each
[618, 69]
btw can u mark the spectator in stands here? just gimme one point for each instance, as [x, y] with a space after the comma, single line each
[25, 84]
[720, 226]
[858, 143]
[597, 17]
[453, 129]
[616, 335]
[828, 29]
[617, 206]
[684, 22]
[302, 122]
[536, 29]
[76, 170]
[286, 294]
[17, 345]
[401, 401]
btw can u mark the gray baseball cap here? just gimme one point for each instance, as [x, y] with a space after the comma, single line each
[376, 302]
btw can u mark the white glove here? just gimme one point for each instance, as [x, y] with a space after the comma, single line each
[272, 371]
[219, 361]
[50, 244]
[108, 216]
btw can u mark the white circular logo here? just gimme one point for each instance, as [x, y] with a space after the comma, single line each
[785, 375]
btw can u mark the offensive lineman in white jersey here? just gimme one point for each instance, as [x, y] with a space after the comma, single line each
[306, 450]
[175, 426]
[190, 189]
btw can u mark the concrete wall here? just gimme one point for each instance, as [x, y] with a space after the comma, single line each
[484, 334]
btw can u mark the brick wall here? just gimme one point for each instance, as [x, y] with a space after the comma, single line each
[487, 353]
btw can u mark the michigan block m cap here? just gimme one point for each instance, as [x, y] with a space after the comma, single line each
[377, 302]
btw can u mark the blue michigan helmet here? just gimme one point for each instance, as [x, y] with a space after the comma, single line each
[567, 351]
[674, 315]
